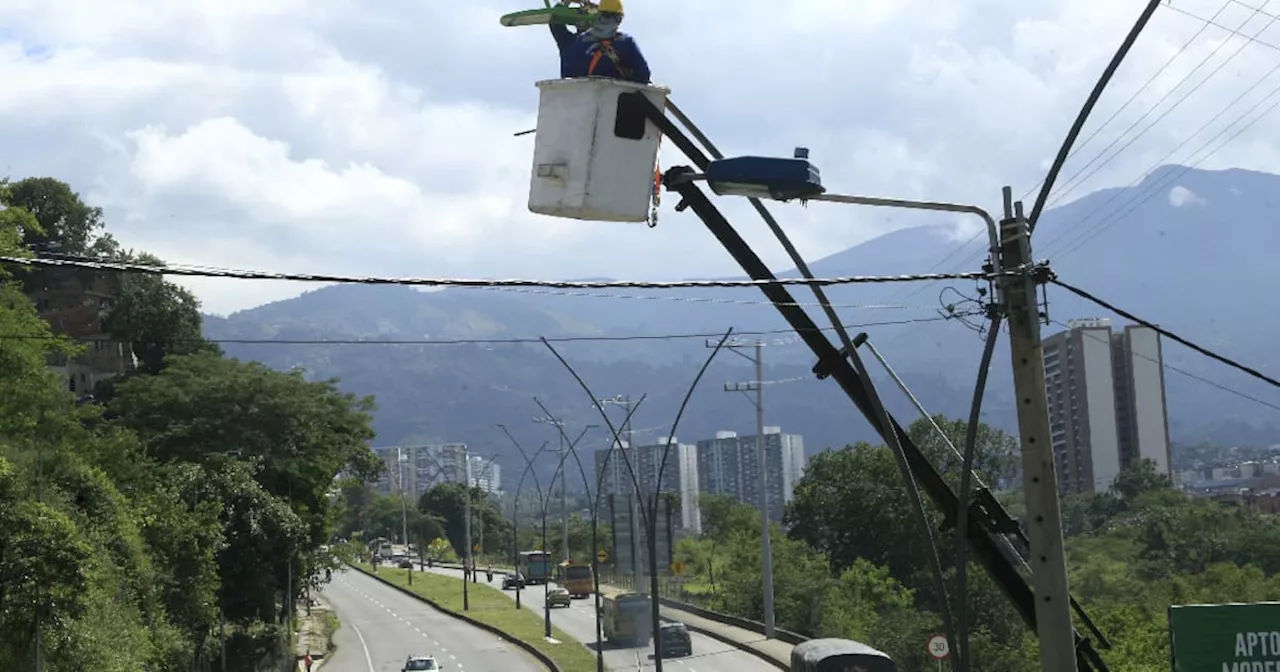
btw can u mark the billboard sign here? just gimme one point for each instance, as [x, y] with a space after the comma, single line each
[1225, 637]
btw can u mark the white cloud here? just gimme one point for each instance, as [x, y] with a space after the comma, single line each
[1180, 196]
[377, 139]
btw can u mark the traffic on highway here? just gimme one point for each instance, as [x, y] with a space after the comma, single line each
[578, 621]
[384, 630]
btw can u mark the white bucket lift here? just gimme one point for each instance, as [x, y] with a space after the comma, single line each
[590, 160]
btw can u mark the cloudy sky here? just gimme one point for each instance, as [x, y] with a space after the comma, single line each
[377, 137]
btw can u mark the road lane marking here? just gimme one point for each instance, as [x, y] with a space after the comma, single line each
[367, 658]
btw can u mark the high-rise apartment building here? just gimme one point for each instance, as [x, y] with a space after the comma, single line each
[1106, 398]
[416, 469]
[729, 465]
[679, 475]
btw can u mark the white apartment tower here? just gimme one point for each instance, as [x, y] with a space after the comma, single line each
[416, 469]
[1106, 398]
[729, 465]
[679, 475]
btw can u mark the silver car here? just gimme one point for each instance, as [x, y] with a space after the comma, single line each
[415, 663]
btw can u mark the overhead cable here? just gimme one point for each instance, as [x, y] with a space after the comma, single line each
[149, 269]
[1168, 334]
[499, 341]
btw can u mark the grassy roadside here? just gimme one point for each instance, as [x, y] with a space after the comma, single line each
[329, 625]
[491, 607]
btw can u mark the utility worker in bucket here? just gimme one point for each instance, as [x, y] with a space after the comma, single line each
[601, 50]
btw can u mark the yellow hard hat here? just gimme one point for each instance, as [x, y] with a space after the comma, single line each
[611, 7]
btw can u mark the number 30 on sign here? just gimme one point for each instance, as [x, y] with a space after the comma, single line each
[938, 647]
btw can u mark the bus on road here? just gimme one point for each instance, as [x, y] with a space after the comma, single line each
[535, 566]
[577, 579]
[627, 619]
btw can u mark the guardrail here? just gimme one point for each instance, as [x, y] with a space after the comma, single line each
[724, 619]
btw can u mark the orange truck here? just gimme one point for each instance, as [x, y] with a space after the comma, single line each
[577, 579]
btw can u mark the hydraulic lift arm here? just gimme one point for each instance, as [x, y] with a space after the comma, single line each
[989, 522]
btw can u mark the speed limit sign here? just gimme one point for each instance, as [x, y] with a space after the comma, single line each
[938, 647]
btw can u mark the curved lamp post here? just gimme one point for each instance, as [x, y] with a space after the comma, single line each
[545, 500]
[649, 515]
[594, 510]
[515, 509]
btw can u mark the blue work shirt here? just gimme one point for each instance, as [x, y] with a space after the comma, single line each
[577, 51]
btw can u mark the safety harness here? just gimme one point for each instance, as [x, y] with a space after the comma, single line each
[606, 49]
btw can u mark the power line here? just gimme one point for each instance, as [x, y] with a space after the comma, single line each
[972, 255]
[1082, 175]
[694, 299]
[1145, 85]
[500, 341]
[148, 269]
[1184, 372]
[1233, 31]
[1083, 116]
[1111, 219]
[1168, 334]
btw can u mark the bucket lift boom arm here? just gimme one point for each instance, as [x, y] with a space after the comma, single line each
[990, 525]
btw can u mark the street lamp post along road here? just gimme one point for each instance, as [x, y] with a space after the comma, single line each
[515, 508]
[594, 510]
[558, 423]
[545, 497]
[650, 514]
[469, 563]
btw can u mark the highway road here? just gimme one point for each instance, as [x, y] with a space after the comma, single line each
[382, 626]
[578, 621]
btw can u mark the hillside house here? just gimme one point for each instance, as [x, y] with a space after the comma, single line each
[75, 302]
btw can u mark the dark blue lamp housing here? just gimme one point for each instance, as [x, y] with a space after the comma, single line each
[766, 177]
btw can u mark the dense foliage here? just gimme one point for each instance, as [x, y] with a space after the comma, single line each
[852, 562]
[191, 492]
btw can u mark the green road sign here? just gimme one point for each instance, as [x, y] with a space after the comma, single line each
[1225, 637]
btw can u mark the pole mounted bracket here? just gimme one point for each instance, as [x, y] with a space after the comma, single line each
[825, 366]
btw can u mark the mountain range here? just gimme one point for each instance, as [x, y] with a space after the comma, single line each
[1190, 250]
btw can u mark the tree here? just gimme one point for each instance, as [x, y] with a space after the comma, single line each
[201, 488]
[723, 518]
[801, 577]
[447, 503]
[995, 452]
[67, 225]
[299, 435]
[157, 317]
[851, 504]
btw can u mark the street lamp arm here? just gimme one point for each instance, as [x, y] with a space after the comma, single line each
[635, 482]
[617, 442]
[993, 232]
[675, 424]
[527, 459]
[572, 448]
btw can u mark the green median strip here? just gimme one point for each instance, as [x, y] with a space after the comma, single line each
[491, 607]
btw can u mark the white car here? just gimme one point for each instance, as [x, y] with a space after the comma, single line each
[415, 663]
